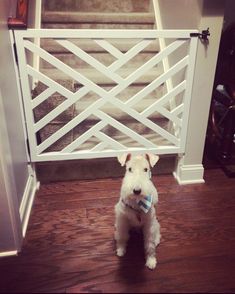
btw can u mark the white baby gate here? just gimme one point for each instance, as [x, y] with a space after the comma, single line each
[173, 104]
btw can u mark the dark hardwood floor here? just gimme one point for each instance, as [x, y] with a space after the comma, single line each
[69, 245]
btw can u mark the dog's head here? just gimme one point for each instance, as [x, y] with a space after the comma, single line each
[137, 180]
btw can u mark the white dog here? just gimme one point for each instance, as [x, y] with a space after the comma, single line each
[136, 205]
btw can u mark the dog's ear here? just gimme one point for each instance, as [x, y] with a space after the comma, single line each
[152, 159]
[124, 158]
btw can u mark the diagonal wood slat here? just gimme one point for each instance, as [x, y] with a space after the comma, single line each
[89, 59]
[109, 48]
[158, 81]
[84, 137]
[42, 97]
[48, 81]
[61, 66]
[179, 109]
[131, 53]
[175, 91]
[157, 129]
[69, 126]
[60, 108]
[110, 141]
[99, 147]
[130, 133]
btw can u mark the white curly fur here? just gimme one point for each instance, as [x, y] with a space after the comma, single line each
[127, 211]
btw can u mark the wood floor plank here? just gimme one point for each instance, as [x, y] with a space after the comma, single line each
[69, 245]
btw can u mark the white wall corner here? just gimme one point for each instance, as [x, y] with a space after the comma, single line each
[189, 174]
[31, 188]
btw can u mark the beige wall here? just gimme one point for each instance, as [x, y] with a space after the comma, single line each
[180, 14]
[13, 157]
[18, 183]
[9, 205]
[195, 14]
[212, 17]
[11, 104]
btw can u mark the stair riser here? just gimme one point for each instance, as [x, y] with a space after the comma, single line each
[105, 58]
[97, 26]
[97, 6]
[91, 47]
[87, 169]
[97, 17]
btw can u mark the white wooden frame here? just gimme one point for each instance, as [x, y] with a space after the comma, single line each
[100, 37]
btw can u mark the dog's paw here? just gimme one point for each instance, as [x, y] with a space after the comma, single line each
[121, 252]
[151, 262]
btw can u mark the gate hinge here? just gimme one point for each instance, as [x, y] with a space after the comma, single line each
[28, 148]
[15, 53]
[203, 35]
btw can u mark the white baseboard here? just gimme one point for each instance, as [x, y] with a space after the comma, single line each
[189, 174]
[32, 185]
[8, 253]
[27, 201]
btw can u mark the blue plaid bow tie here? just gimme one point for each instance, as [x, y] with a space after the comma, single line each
[145, 203]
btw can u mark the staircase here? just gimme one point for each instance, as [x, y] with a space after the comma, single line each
[94, 14]
[97, 14]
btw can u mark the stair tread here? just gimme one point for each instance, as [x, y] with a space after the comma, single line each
[97, 17]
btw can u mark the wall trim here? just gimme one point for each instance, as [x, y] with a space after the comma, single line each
[32, 186]
[8, 253]
[189, 174]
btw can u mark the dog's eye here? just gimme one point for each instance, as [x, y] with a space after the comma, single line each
[146, 169]
[130, 169]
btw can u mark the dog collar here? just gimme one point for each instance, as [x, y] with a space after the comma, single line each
[129, 206]
[144, 204]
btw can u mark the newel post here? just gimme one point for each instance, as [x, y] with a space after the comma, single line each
[21, 19]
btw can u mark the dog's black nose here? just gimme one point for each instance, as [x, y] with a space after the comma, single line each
[137, 192]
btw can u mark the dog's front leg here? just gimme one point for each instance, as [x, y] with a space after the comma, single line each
[151, 232]
[121, 233]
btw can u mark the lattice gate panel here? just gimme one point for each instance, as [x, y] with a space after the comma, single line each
[113, 105]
